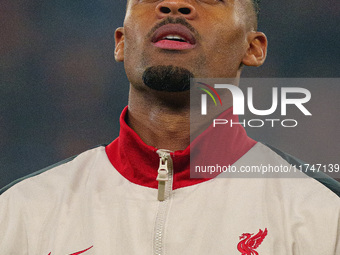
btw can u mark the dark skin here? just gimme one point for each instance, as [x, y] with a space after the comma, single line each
[225, 40]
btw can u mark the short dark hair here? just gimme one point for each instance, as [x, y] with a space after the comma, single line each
[256, 4]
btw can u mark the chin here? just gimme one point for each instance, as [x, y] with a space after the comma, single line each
[167, 78]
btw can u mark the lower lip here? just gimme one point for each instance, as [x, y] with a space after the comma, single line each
[173, 45]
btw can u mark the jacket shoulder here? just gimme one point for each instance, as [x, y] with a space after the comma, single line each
[323, 179]
[64, 165]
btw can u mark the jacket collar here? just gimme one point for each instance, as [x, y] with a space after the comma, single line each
[138, 162]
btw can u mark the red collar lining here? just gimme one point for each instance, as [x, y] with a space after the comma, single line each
[138, 162]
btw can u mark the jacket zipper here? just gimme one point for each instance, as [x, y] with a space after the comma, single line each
[164, 179]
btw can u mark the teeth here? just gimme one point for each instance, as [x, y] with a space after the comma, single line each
[174, 37]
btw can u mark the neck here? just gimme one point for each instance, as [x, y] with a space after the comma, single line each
[162, 119]
[159, 122]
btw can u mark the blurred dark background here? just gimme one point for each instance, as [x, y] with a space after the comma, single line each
[61, 91]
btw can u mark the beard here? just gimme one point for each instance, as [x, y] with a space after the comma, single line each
[167, 78]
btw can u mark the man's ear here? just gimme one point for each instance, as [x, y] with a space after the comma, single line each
[257, 49]
[119, 41]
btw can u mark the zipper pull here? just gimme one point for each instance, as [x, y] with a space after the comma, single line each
[163, 176]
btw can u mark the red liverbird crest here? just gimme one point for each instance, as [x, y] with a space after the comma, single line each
[249, 242]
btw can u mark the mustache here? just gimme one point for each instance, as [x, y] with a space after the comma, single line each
[171, 20]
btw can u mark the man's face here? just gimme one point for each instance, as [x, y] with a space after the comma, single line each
[209, 38]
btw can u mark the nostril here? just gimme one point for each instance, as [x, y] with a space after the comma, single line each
[165, 9]
[184, 10]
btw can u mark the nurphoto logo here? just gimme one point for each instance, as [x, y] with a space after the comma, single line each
[294, 96]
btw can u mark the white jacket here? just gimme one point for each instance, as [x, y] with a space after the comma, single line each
[106, 201]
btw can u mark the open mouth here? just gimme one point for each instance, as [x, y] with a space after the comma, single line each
[173, 37]
[176, 38]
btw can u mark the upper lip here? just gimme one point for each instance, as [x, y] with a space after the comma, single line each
[173, 29]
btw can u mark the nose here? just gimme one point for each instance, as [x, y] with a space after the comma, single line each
[176, 7]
